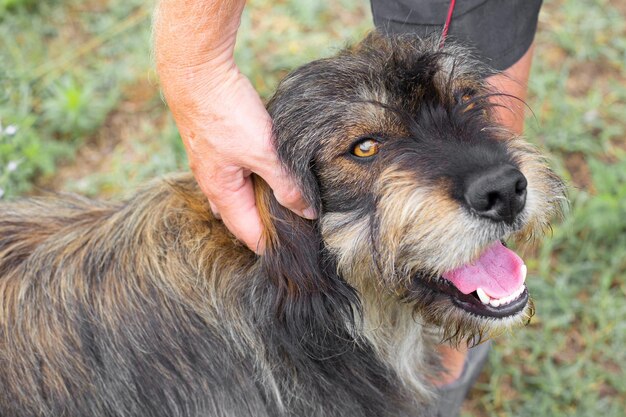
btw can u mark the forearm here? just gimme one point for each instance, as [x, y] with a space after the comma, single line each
[194, 42]
[194, 36]
[513, 83]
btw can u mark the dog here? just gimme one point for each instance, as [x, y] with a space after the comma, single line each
[150, 307]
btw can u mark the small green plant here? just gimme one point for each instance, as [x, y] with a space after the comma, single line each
[75, 109]
[24, 154]
[10, 5]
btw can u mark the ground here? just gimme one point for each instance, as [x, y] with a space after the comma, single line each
[80, 111]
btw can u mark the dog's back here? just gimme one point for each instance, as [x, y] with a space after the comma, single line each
[93, 319]
[151, 308]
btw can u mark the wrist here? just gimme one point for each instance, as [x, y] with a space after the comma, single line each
[202, 81]
[207, 100]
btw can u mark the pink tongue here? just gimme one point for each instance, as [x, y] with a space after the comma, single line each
[498, 272]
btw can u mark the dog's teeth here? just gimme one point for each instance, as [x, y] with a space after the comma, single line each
[510, 298]
[524, 270]
[497, 302]
[483, 296]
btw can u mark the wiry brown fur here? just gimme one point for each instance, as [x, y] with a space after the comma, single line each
[150, 307]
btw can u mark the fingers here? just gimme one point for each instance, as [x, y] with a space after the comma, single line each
[230, 192]
[231, 197]
[286, 190]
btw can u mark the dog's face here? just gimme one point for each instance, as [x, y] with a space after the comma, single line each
[416, 185]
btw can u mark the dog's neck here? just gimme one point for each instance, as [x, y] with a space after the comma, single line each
[392, 328]
[407, 345]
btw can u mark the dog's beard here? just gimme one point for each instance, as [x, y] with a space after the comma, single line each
[478, 297]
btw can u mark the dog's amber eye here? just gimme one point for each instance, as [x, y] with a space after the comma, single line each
[366, 148]
[465, 100]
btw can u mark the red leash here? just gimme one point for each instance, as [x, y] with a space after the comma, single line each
[444, 33]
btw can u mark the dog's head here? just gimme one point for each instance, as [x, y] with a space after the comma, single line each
[395, 143]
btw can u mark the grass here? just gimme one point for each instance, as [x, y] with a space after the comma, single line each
[65, 65]
[80, 111]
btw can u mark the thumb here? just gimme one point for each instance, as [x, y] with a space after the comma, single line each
[237, 209]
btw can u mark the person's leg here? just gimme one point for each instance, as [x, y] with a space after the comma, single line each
[513, 82]
[462, 365]
[453, 393]
[501, 33]
[453, 360]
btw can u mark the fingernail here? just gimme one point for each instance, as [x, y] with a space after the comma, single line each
[309, 213]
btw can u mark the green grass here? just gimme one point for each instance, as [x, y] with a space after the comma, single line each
[80, 111]
[64, 67]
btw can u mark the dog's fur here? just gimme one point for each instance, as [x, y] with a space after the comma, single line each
[150, 307]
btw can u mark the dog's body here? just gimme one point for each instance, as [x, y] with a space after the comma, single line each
[151, 308]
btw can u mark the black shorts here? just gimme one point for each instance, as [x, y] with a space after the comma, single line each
[499, 31]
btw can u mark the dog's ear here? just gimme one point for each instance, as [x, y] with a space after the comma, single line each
[309, 292]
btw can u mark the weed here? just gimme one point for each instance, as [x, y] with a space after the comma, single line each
[8, 6]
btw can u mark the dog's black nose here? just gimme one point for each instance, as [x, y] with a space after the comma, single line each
[498, 194]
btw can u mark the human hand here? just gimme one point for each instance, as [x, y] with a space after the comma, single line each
[227, 135]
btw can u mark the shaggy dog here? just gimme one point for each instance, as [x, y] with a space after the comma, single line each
[150, 307]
